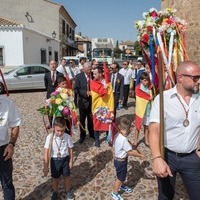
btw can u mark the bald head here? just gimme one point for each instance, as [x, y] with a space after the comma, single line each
[188, 78]
[187, 67]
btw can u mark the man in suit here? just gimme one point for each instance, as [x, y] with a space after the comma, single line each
[82, 88]
[50, 78]
[50, 82]
[117, 81]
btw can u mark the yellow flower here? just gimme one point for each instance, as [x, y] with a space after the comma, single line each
[63, 90]
[58, 101]
[64, 96]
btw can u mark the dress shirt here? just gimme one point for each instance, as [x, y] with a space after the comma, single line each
[62, 70]
[9, 117]
[178, 138]
[127, 73]
[72, 72]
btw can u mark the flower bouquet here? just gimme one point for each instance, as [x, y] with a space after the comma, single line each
[165, 31]
[60, 104]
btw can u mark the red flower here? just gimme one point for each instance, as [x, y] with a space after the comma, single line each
[150, 28]
[153, 14]
[169, 21]
[145, 38]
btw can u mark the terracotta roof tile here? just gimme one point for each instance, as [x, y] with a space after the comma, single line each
[6, 22]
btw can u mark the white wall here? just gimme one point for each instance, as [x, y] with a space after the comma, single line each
[33, 43]
[23, 46]
[11, 40]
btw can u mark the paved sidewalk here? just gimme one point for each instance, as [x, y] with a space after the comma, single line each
[93, 173]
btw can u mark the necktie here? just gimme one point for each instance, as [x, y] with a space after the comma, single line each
[53, 77]
[113, 82]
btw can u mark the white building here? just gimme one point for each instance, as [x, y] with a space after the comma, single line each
[43, 16]
[21, 45]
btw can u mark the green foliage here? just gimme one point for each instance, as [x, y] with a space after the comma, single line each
[137, 48]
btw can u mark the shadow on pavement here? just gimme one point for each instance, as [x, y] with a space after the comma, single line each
[80, 175]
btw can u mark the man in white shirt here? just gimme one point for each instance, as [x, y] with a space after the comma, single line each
[9, 118]
[181, 134]
[127, 73]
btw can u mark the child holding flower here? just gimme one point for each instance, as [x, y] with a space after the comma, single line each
[62, 83]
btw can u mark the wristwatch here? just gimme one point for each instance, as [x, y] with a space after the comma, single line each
[12, 143]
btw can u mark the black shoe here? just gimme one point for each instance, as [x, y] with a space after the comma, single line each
[92, 136]
[97, 143]
[54, 196]
[81, 141]
[126, 107]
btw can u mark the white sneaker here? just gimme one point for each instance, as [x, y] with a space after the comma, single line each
[116, 196]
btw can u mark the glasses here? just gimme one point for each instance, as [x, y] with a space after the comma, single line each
[194, 78]
[124, 64]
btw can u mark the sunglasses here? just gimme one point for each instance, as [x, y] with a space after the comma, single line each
[194, 78]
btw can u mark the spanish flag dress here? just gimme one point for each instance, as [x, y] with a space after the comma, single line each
[102, 102]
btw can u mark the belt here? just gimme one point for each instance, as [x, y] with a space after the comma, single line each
[60, 158]
[180, 154]
[120, 159]
[3, 147]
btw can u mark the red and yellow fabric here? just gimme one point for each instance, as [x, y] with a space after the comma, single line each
[142, 99]
[102, 103]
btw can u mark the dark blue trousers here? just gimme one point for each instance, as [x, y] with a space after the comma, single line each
[189, 169]
[6, 169]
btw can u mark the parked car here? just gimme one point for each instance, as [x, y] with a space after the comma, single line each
[25, 77]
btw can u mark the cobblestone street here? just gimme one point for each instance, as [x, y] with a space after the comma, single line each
[93, 172]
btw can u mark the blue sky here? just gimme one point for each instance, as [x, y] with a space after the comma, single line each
[108, 18]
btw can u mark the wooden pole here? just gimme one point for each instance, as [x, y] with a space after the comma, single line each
[161, 71]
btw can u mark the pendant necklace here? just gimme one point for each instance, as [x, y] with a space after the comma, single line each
[58, 154]
[186, 122]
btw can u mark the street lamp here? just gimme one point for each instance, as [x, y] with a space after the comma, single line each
[54, 35]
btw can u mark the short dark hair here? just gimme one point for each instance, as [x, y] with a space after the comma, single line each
[125, 123]
[61, 79]
[144, 75]
[116, 64]
[140, 62]
[60, 122]
[99, 69]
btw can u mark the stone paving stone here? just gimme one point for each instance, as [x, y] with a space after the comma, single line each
[93, 172]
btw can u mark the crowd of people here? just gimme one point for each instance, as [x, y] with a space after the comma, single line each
[99, 92]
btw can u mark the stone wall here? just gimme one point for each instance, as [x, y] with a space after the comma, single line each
[188, 10]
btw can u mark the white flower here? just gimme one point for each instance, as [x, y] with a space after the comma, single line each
[153, 10]
[60, 108]
[144, 15]
[169, 30]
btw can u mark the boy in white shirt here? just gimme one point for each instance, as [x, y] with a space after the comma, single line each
[122, 149]
[59, 148]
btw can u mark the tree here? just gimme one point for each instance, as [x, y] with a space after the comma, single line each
[137, 48]
[117, 50]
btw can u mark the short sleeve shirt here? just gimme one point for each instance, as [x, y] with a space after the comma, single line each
[177, 137]
[121, 146]
[9, 118]
[127, 74]
[64, 143]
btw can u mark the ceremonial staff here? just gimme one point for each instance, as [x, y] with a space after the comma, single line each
[161, 71]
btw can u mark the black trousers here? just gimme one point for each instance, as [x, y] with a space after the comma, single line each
[189, 169]
[116, 103]
[85, 113]
[126, 93]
